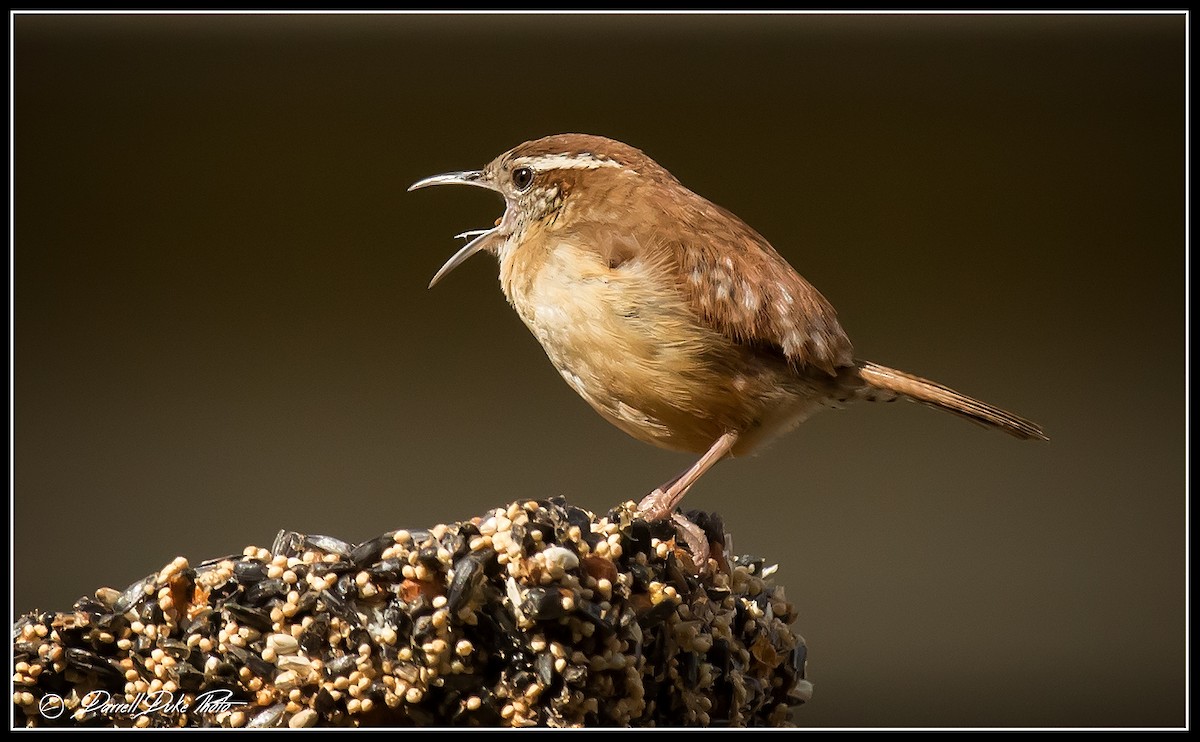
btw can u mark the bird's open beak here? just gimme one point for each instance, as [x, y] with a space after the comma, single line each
[466, 177]
[480, 236]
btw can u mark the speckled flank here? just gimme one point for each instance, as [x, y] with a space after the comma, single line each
[661, 377]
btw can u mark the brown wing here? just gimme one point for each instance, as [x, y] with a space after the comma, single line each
[742, 287]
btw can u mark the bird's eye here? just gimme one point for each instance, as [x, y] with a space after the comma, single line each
[522, 178]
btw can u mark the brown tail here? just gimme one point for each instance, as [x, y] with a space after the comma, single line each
[894, 383]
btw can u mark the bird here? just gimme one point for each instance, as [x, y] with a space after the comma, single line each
[674, 319]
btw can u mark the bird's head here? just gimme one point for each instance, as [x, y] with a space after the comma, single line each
[542, 179]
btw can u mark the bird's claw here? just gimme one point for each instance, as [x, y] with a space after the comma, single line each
[696, 540]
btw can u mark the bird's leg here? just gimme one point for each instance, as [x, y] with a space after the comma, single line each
[663, 488]
[661, 502]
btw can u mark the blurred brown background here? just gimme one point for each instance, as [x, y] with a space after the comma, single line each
[222, 327]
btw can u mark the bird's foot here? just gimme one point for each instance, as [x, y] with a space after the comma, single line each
[659, 505]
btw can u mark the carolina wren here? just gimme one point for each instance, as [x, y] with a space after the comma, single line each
[674, 319]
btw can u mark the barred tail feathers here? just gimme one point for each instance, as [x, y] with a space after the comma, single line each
[878, 378]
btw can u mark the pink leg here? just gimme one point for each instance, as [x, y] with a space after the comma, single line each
[661, 502]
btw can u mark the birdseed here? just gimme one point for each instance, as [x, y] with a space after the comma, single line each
[525, 616]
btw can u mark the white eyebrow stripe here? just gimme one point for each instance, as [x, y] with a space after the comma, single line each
[567, 162]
